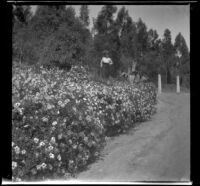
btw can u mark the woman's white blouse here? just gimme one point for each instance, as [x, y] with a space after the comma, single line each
[106, 60]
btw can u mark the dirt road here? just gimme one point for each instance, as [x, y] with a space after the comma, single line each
[157, 150]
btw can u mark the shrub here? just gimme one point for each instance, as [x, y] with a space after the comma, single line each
[60, 119]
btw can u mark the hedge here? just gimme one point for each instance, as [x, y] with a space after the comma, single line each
[60, 119]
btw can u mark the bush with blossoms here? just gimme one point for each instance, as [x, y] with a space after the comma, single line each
[60, 119]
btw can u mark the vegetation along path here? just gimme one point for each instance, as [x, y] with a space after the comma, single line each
[156, 150]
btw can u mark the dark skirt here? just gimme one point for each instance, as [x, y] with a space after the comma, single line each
[105, 70]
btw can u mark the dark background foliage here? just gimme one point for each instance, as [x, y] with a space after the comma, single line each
[55, 36]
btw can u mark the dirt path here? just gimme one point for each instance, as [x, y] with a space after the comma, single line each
[157, 150]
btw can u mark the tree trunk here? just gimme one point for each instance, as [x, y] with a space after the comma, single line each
[168, 76]
[181, 80]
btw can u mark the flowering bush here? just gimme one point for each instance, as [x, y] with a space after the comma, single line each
[60, 119]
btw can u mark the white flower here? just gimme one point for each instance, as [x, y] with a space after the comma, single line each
[67, 101]
[59, 102]
[17, 150]
[63, 105]
[74, 146]
[53, 140]
[20, 111]
[43, 165]
[36, 140]
[85, 139]
[23, 151]
[44, 119]
[54, 123]
[50, 148]
[59, 157]
[70, 141]
[86, 157]
[51, 155]
[88, 118]
[49, 106]
[41, 144]
[37, 94]
[59, 136]
[38, 167]
[16, 105]
[43, 71]
[14, 165]
[74, 109]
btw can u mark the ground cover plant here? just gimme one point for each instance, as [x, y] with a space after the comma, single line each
[60, 119]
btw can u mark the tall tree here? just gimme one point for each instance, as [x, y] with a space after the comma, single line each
[142, 37]
[183, 59]
[167, 53]
[104, 22]
[121, 19]
[127, 33]
[103, 27]
[152, 40]
[127, 37]
[181, 48]
[67, 39]
[48, 18]
[151, 60]
[84, 15]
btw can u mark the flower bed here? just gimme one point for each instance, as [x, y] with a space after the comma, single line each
[60, 119]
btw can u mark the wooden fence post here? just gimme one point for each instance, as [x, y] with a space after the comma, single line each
[177, 84]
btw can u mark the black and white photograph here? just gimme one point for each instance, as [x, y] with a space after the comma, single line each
[100, 93]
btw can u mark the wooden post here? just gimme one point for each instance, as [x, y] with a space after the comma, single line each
[178, 64]
[159, 84]
[177, 84]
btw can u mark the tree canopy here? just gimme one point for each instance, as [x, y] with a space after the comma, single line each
[55, 35]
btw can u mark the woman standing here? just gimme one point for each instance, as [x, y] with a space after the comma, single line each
[105, 64]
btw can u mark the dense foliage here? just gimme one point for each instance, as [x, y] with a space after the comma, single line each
[60, 119]
[56, 35]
